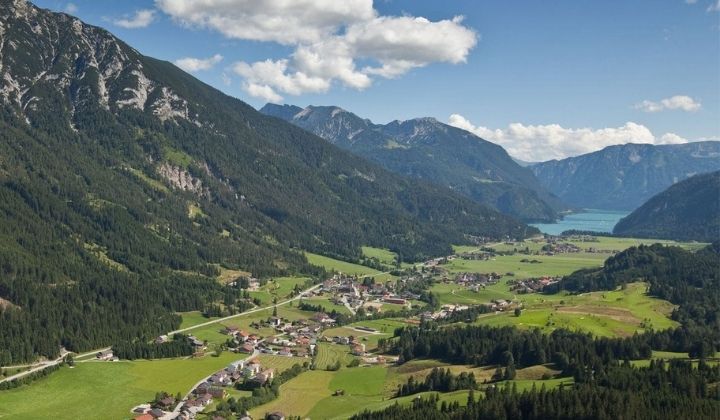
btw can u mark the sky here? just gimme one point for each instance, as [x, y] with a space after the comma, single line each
[546, 80]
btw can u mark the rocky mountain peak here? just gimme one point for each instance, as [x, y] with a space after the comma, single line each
[49, 58]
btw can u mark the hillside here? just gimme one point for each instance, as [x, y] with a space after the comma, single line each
[126, 184]
[688, 210]
[623, 177]
[427, 149]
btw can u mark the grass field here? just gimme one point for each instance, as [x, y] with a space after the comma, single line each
[555, 265]
[102, 390]
[280, 363]
[345, 267]
[328, 354]
[616, 313]
[327, 305]
[385, 256]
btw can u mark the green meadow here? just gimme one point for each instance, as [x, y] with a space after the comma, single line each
[345, 267]
[102, 390]
[608, 314]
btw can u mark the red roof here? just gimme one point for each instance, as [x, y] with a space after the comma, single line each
[144, 417]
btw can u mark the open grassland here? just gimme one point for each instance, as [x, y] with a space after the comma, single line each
[277, 289]
[328, 354]
[104, 390]
[555, 265]
[372, 388]
[450, 293]
[615, 313]
[280, 363]
[190, 319]
[325, 302]
[331, 264]
[299, 395]
[384, 256]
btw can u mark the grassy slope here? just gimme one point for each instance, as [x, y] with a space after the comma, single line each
[616, 313]
[345, 267]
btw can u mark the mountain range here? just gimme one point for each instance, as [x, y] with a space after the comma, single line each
[427, 149]
[688, 210]
[127, 186]
[623, 177]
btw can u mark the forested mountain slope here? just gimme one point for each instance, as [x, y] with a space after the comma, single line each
[427, 149]
[623, 177]
[688, 210]
[125, 183]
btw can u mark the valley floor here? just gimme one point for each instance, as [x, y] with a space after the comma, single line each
[94, 389]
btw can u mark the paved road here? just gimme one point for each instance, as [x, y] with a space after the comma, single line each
[252, 311]
[40, 366]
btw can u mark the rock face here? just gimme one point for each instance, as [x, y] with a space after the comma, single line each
[427, 149]
[47, 56]
[623, 177]
[688, 210]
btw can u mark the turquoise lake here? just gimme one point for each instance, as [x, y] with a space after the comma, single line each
[590, 219]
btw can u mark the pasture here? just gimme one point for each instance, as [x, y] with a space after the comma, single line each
[331, 264]
[608, 314]
[99, 390]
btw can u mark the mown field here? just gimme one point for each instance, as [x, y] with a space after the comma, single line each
[328, 354]
[106, 390]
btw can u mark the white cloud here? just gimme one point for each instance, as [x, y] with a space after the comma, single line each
[534, 143]
[330, 39]
[283, 21]
[714, 7]
[226, 79]
[71, 8]
[141, 19]
[677, 102]
[191, 64]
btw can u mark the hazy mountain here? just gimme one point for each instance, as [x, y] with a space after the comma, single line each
[625, 176]
[430, 150]
[688, 210]
[125, 183]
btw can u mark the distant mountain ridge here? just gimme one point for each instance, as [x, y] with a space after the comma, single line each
[688, 210]
[623, 177]
[430, 150]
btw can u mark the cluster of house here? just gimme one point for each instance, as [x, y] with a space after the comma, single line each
[552, 248]
[297, 338]
[476, 255]
[443, 312]
[354, 294]
[214, 388]
[474, 281]
[532, 285]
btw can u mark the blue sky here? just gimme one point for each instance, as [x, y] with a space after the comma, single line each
[543, 79]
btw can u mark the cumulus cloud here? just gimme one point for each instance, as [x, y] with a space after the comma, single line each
[535, 143]
[347, 42]
[140, 19]
[71, 8]
[191, 64]
[677, 102]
